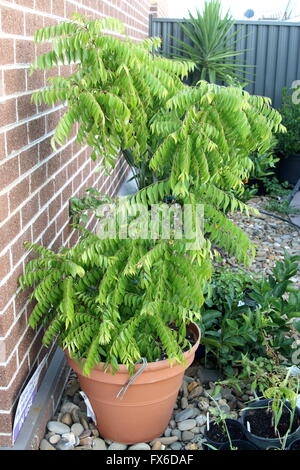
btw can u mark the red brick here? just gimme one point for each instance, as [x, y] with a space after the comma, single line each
[58, 8]
[9, 171]
[53, 165]
[25, 107]
[36, 128]
[6, 374]
[7, 52]
[54, 208]
[9, 230]
[3, 207]
[16, 138]
[35, 349]
[57, 244]
[6, 319]
[6, 441]
[39, 225]
[4, 265]
[45, 148]
[60, 179]
[29, 158]
[33, 23]
[8, 396]
[49, 235]
[29, 210]
[46, 193]
[14, 81]
[38, 177]
[67, 193]
[18, 248]
[43, 5]
[2, 146]
[52, 121]
[26, 341]
[12, 21]
[18, 194]
[25, 52]
[8, 112]
[36, 80]
[25, 3]
[8, 290]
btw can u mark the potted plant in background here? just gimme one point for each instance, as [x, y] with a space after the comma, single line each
[288, 145]
[274, 420]
[112, 302]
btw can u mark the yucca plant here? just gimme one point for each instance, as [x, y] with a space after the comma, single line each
[110, 299]
[210, 43]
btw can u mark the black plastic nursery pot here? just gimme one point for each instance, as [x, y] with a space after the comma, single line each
[295, 445]
[239, 445]
[235, 430]
[264, 442]
[288, 168]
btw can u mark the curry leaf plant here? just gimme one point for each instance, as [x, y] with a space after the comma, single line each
[117, 300]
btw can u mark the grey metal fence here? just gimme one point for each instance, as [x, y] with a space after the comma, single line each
[272, 48]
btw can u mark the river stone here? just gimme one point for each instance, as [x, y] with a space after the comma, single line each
[201, 420]
[177, 433]
[167, 432]
[58, 427]
[99, 444]
[68, 407]
[54, 439]
[63, 444]
[75, 415]
[157, 445]
[77, 429]
[176, 446]
[67, 419]
[70, 437]
[172, 424]
[140, 446]
[85, 433]
[45, 445]
[187, 424]
[86, 441]
[196, 392]
[187, 435]
[117, 446]
[183, 415]
[165, 440]
[184, 403]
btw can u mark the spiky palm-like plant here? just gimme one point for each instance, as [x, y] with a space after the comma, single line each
[210, 43]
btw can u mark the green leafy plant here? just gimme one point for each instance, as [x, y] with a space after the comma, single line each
[253, 316]
[290, 142]
[210, 43]
[119, 299]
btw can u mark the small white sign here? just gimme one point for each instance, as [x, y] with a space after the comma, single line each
[90, 412]
[26, 399]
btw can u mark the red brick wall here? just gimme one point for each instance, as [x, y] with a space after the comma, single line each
[159, 8]
[36, 182]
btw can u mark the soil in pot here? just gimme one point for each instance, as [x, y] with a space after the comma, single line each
[217, 431]
[261, 422]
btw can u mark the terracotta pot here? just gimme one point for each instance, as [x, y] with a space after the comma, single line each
[146, 408]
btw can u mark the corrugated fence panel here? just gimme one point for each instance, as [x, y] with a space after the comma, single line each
[271, 52]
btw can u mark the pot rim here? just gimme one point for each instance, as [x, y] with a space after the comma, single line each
[269, 439]
[151, 366]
